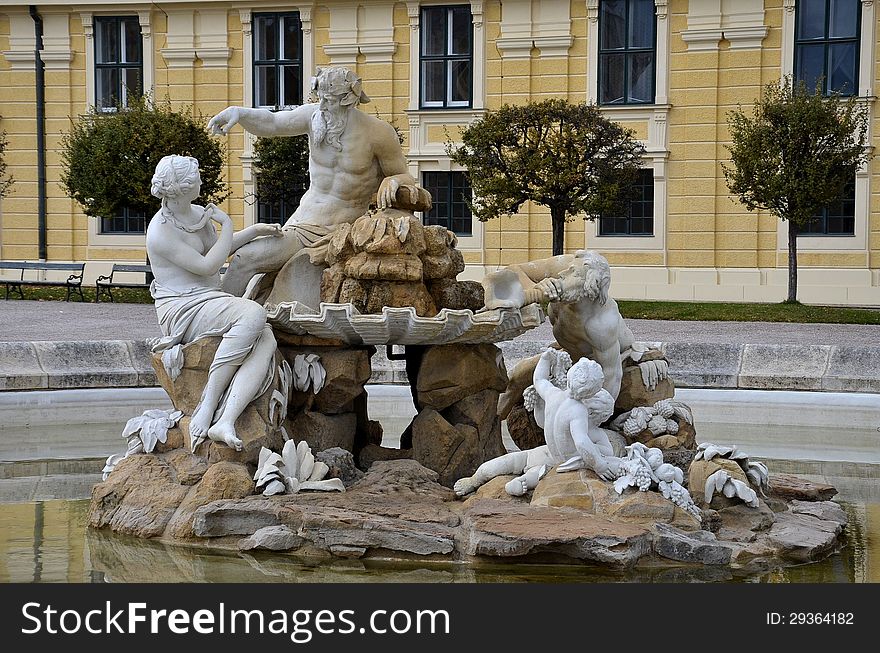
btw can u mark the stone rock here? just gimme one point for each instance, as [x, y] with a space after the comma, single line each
[373, 453]
[400, 267]
[824, 510]
[803, 537]
[480, 411]
[399, 294]
[494, 489]
[445, 266]
[457, 295]
[633, 392]
[271, 538]
[340, 247]
[453, 451]
[346, 372]
[701, 470]
[438, 239]
[341, 464]
[139, 497]
[355, 292]
[188, 468]
[224, 480]
[449, 373]
[789, 486]
[686, 438]
[385, 238]
[243, 517]
[566, 490]
[324, 431]
[331, 283]
[681, 458]
[506, 529]
[178, 437]
[698, 547]
[523, 428]
[742, 523]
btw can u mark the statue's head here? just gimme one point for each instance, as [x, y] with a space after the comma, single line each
[176, 176]
[585, 379]
[588, 276]
[341, 84]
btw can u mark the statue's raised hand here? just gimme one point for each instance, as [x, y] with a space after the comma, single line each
[387, 192]
[218, 216]
[225, 120]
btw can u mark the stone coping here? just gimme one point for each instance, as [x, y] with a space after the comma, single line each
[126, 363]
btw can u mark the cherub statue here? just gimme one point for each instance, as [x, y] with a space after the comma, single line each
[570, 418]
[186, 255]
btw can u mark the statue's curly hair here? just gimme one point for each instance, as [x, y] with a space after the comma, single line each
[175, 175]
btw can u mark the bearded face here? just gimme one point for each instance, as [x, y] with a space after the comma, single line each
[329, 121]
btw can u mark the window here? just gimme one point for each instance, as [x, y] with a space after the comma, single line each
[130, 222]
[639, 220]
[277, 60]
[627, 51]
[119, 61]
[446, 57]
[451, 192]
[826, 45]
[838, 219]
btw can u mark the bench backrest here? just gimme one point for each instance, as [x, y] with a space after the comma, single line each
[29, 265]
[117, 267]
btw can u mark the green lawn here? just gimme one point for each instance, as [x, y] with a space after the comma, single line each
[651, 310]
[126, 295]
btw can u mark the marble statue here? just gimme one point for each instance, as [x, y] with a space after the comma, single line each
[186, 254]
[354, 160]
[570, 418]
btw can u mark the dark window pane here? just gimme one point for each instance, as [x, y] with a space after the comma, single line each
[612, 24]
[641, 24]
[611, 78]
[433, 78]
[434, 31]
[810, 19]
[266, 91]
[291, 85]
[641, 77]
[842, 68]
[291, 38]
[266, 37]
[810, 64]
[108, 87]
[639, 218]
[461, 81]
[131, 79]
[843, 19]
[107, 40]
[132, 34]
[460, 42]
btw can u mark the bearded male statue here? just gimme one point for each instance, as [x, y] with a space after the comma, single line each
[354, 160]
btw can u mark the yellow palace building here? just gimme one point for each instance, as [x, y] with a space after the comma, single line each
[668, 69]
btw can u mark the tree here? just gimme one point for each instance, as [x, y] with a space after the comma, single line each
[281, 164]
[564, 156]
[5, 182]
[108, 159]
[794, 155]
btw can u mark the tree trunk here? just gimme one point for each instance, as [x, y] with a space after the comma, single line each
[558, 217]
[792, 262]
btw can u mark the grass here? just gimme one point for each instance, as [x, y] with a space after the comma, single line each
[649, 310]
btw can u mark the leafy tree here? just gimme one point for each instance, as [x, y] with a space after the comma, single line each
[108, 159]
[794, 155]
[5, 182]
[281, 164]
[564, 156]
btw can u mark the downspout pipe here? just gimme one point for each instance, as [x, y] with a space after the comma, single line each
[40, 77]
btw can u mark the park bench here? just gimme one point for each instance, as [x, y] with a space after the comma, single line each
[73, 282]
[105, 283]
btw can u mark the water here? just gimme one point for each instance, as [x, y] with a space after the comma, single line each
[47, 468]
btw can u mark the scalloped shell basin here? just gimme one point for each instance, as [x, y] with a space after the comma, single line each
[401, 326]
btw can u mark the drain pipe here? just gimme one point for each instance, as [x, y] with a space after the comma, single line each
[40, 73]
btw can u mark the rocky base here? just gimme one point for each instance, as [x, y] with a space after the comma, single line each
[398, 510]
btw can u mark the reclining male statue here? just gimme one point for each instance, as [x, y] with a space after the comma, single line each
[354, 159]
[570, 419]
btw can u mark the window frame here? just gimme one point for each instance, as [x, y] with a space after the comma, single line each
[826, 41]
[127, 216]
[278, 63]
[646, 180]
[450, 201]
[627, 52]
[99, 65]
[848, 195]
[447, 58]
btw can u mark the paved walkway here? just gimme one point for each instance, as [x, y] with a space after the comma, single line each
[31, 320]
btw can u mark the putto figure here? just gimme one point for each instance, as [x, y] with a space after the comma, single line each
[354, 159]
[186, 255]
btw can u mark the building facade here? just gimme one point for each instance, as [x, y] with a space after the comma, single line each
[670, 70]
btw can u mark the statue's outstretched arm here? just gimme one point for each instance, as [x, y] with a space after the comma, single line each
[262, 122]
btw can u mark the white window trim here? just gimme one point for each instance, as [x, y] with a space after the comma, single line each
[474, 242]
[859, 240]
[308, 65]
[88, 22]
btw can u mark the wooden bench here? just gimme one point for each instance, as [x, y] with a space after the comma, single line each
[73, 282]
[105, 284]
